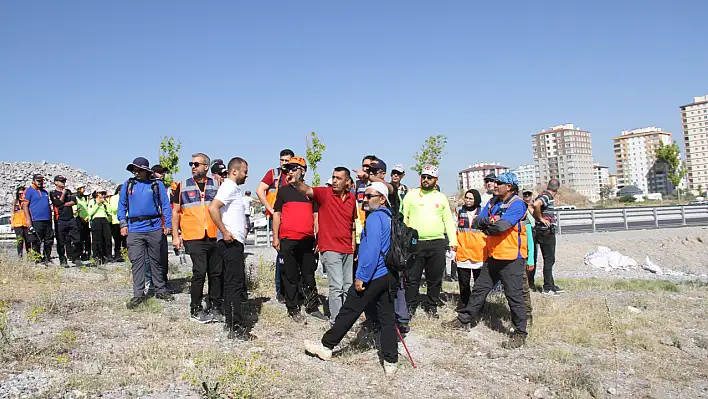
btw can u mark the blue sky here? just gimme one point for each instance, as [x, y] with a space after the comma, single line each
[95, 84]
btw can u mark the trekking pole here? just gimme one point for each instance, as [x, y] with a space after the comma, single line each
[406, 348]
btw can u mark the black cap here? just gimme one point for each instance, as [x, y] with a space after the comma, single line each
[527, 192]
[37, 176]
[159, 169]
[60, 178]
[378, 165]
[490, 177]
[218, 167]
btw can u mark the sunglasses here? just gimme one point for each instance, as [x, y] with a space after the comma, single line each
[291, 168]
[197, 164]
[427, 177]
[499, 182]
[370, 196]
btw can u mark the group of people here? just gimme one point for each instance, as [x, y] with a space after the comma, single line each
[346, 225]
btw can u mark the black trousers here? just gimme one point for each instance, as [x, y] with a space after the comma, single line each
[465, 278]
[511, 274]
[235, 293]
[85, 229]
[101, 237]
[164, 257]
[68, 239]
[206, 261]
[430, 257]
[378, 293]
[21, 238]
[546, 241]
[298, 265]
[119, 242]
[42, 239]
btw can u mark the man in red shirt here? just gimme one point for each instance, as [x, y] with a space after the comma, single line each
[294, 239]
[267, 191]
[336, 237]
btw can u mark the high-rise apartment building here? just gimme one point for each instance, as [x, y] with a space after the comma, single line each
[635, 158]
[473, 176]
[694, 119]
[527, 176]
[564, 152]
[602, 177]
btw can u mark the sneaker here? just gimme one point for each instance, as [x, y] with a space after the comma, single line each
[280, 298]
[404, 328]
[218, 317]
[135, 302]
[318, 350]
[558, 289]
[201, 316]
[516, 341]
[456, 324]
[550, 293]
[433, 313]
[318, 315]
[240, 334]
[298, 318]
[163, 296]
[390, 368]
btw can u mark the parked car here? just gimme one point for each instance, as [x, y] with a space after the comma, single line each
[5, 224]
[260, 223]
[564, 207]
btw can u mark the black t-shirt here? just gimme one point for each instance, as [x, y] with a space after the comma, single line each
[174, 194]
[62, 212]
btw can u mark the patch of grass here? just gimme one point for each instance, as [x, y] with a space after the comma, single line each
[596, 284]
[152, 305]
[569, 382]
[226, 374]
[34, 314]
[560, 355]
[701, 341]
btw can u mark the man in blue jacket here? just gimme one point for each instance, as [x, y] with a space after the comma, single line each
[372, 285]
[143, 204]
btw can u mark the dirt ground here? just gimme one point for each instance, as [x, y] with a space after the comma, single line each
[67, 334]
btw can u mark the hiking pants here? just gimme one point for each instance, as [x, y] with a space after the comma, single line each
[378, 293]
[119, 242]
[527, 296]
[511, 274]
[68, 239]
[164, 257]
[206, 261]
[298, 265]
[400, 305]
[546, 240]
[21, 238]
[144, 250]
[465, 278]
[235, 294]
[339, 278]
[42, 239]
[85, 231]
[101, 237]
[430, 257]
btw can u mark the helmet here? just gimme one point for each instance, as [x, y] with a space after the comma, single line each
[430, 170]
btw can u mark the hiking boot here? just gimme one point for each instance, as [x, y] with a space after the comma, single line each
[218, 317]
[432, 313]
[318, 350]
[297, 317]
[318, 315]
[135, 302]
[558, 289]
[280, 298]
[550, 293]
[390, 368]
[456, 324]
[517, 340]
[163, 296]
[63, 262]
[201, 316]
[240, 333]
[404, 328]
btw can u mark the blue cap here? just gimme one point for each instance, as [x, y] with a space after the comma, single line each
[508, 178]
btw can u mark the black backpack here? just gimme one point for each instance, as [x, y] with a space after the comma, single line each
[404, 241]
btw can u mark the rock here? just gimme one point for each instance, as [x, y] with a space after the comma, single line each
[542, 392]
[666, 341]
[612, 391]
[632, 309]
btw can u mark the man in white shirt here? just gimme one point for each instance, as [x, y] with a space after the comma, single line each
[227, 212]
[247, 204]
[489, 185]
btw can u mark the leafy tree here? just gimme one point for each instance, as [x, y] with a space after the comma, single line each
[430, 152]
[313, 154]
[169, 157]
[670, 155]
[606, 192]
[627, 198]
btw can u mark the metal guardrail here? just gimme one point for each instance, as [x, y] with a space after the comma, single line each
[634, 218]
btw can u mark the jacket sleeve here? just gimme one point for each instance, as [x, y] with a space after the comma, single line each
[165, 205]
[509, 219]
[370, 248]
[123, 206]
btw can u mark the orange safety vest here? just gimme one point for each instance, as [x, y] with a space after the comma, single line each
[511, 244]
[195, 221]
[471, 243]
[18, 215]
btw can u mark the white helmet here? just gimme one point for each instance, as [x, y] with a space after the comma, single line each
[430, 170]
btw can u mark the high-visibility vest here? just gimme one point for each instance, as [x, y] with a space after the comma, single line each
[471, 243]
[195, 221]
[511, 244]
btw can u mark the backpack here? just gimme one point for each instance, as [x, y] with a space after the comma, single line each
[155, 198]
[404, 241]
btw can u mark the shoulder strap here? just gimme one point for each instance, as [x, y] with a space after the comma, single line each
[156, 195]
[128, 188]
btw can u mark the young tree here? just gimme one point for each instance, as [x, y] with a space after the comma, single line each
[605, 192]
[169, 157]
[313, 154]
[671, 156]
[430, 152]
